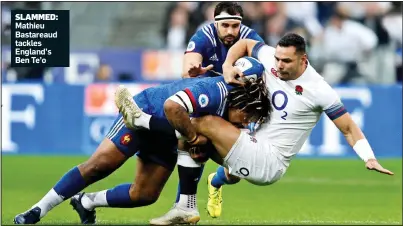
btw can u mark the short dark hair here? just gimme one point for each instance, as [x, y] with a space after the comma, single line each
[252, 98]
[292, 39]
[232, 8]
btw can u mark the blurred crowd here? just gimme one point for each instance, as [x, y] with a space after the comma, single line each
[349, 42]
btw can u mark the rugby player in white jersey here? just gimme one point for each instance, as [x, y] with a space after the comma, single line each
[299, 96]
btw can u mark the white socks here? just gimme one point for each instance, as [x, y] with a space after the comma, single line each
[187, 201]
[185, 160]
[48, 202]
[143, 120]
[95, 199]
[89, 201]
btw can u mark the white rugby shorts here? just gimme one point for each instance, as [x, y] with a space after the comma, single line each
[254, 160]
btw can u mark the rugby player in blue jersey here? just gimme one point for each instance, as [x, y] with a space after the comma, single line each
[156, 150]
[204, 56]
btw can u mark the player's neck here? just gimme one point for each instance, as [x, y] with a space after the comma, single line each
[301, 72]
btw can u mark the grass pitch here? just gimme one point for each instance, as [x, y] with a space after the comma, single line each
[313, 191]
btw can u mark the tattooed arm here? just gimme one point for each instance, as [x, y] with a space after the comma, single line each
[179, 118]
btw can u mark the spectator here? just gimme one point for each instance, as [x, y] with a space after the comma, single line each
[176, 36]
[346, 43]
[390, 22]
[275, 28]
[325, 11]
[304, 14]
[194, 17]
[254, 16]
[208, 12]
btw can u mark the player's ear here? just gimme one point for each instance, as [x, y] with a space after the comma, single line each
[304, 58]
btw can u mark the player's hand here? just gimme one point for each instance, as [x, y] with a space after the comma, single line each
[372, 164]
[199, 154]
[231, 74]
[196, 70]
[200, 140]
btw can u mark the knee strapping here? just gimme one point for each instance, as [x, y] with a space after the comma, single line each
[185, 160]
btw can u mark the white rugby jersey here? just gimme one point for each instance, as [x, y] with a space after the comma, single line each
[297, 105]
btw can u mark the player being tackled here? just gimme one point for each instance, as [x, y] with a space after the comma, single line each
[166, 107]
[204, 56]
[250, 98]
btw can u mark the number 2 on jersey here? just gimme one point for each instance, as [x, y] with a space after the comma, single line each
[285, 115]
[280, 108]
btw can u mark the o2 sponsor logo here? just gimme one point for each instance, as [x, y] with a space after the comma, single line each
[279, 100]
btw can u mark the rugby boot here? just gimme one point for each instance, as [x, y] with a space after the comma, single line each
[177, 215]
[127, 107]
[86, 216]
[32, 216]
[214, 203]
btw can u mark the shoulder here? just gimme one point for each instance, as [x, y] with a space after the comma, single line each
[323, 92]
[244, 31]
[247, 32]
[207, 34]
[261, 50]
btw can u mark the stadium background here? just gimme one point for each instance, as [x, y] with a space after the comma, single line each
[53, 118]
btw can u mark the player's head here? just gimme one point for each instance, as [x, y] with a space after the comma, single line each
[228, 17]
[249, 103]
[290, 56]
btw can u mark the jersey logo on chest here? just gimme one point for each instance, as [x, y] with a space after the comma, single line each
[214, 57]
[298, 90]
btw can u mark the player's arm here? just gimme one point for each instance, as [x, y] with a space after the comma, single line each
[336, 111]
[193, 57]
[178, 109]
[178, 116]
[192, 65]
[181, 105]
[239, 49]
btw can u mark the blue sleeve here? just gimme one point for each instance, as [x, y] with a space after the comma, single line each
[255, 36]
[200, 41]
[207, 97]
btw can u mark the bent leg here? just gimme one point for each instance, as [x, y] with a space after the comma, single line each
[156, 161]
[106, 159]
[189, 172]
[222, 177]
[103, 162]
[149, 181]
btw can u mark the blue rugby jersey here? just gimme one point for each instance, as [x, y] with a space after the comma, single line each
[206, 42]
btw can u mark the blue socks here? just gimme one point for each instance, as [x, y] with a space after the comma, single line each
[119, 196]
[220, 179]
[70, 184]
